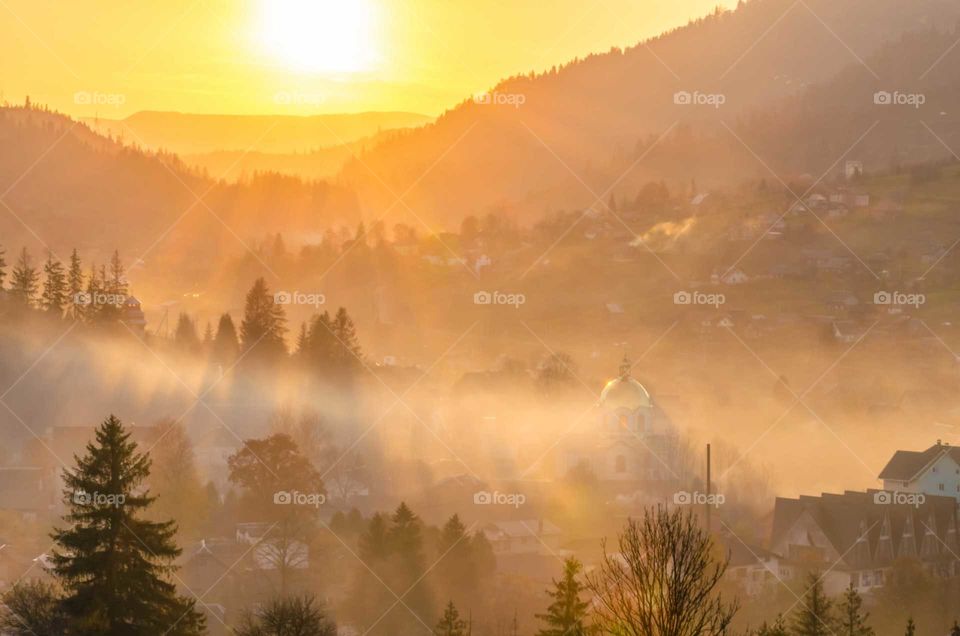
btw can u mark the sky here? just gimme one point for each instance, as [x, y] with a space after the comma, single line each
[112, 58]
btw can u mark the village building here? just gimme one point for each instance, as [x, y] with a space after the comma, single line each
[855, 537]
[634, 444]
[935, 471]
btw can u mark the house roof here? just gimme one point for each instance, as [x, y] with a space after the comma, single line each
[906, 465]
[868, 533]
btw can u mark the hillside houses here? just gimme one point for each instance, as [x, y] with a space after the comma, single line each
[935, 471]
[856, 536]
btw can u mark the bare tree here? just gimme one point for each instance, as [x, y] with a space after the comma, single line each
[662, 581]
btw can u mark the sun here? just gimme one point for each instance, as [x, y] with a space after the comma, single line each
[320, 36]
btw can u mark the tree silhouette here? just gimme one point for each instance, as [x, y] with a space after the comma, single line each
[112, 562]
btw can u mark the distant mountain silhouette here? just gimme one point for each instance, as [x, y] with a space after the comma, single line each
[187, 133]
[546, 141]
[65, 186]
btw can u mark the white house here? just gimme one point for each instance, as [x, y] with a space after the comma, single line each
[935, 471]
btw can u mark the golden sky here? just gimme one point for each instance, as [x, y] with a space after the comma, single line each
[116, 57]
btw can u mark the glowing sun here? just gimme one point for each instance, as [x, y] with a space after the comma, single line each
[333, 36]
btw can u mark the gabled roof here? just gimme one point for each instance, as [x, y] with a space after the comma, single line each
[906, 465]
[856, 523]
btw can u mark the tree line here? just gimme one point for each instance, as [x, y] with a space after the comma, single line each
[65, 291]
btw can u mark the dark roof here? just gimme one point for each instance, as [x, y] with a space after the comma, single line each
[858, 518]
[905, 465]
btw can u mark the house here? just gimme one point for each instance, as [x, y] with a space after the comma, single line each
[752, 567]
[271, 550]
[522, 537]
[855, 537]
[838, 212]
[847, 332]
[852, 169]
[935, 471]
[131, 314]
[27, 490]
[842, 302]
[729, 277]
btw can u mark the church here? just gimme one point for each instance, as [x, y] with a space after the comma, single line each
[633, 445]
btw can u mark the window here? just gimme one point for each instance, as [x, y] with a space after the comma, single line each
[940, 486]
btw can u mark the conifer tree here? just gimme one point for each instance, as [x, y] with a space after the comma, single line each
[24, 280]
[302, 340]
[117, 283]
[778, 628]
[75, 285]
[263, 322]
[407, 560]
[3, 266]
[814, 617]
[451, 624]
[852, 618]
[208, 335]
[226, 347]
[93, 297]
[185, 336]
[111, 561]
[346, 354]
[54, 297]
[567, 614]
[911, 628]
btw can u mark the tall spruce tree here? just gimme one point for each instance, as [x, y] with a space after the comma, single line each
[54, 297]
[852, 618]
[116, 284]
[263, 327]
[226, 347]
[3, 266]
[348, 353]
[114, 564]
[407, 571]
[814, 617]
[24, 280]
[451, 624]
[75, 286]
[567, 614]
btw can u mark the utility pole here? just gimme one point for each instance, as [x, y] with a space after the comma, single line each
[707, 498]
